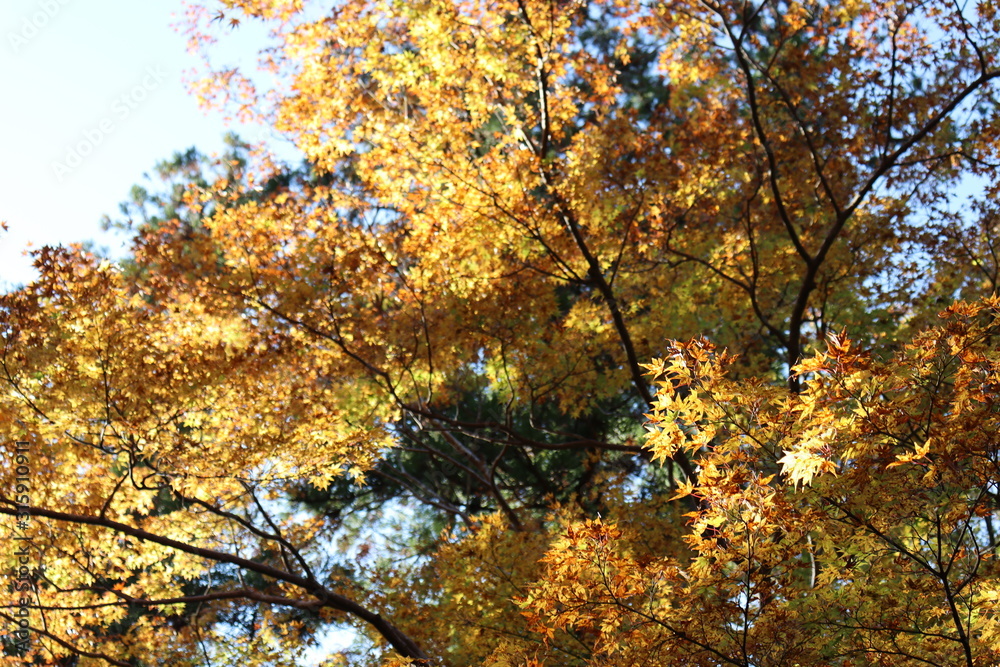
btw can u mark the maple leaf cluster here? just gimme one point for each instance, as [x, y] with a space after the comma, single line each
[587, 333]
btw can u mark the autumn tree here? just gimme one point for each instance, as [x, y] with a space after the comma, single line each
[403, 386]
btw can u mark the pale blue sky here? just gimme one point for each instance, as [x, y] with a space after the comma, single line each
[95, 76]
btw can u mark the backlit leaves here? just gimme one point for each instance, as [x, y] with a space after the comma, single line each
[404, 385]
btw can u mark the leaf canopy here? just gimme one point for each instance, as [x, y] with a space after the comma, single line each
[587, 333]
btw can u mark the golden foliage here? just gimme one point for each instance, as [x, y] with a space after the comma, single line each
[403, 386]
